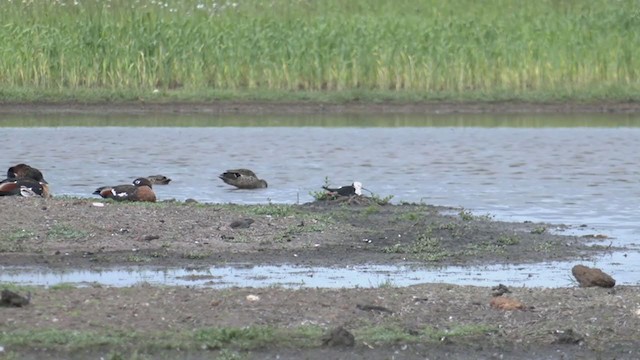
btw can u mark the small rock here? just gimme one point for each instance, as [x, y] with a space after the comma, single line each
[506, 303]
[567, 337]
[149, 237]
[338, 337]
[500, 290]
[10, 298]
[241, 224]
[377, 308]
[191, 201]
[588, 277]
[253, 298]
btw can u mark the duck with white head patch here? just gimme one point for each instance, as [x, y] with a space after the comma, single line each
[347, 190]
[140, 190]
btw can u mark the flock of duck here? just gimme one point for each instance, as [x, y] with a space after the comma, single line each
[27, 181]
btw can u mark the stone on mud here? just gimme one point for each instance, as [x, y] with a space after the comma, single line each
[589, 277]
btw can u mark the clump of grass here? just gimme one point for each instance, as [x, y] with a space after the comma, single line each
[466, 215]
[20, 234]
[62, 286]
[275, 210]
[196, 255]
[62, 231]
[425, 247]
[539, 230]
[13, 241]
[508, 240]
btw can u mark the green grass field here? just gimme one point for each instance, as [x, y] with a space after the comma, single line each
[320, 50]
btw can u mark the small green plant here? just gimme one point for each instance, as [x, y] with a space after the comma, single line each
[410, 216]
[62, 286]
[20, 234]
[387, 284]
[381, 200]
[465, 215]
[545, 247]
[371, 209]
[508, 240]
[322, 195]
[539, 230]
[196, 255]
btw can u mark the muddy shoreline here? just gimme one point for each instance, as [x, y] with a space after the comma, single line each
[303, 107]
[78, 233]
[434, 320]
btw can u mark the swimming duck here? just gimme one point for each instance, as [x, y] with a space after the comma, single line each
[242, 179]
[158, 179]
[140, 191]
[26, 187]
[348, 190]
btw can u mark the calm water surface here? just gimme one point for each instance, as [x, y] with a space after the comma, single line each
[575, 175]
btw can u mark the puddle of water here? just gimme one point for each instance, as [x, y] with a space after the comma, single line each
[548, 274]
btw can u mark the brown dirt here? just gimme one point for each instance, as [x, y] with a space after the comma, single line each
[74, 233]
[63, 233]
[301, 107]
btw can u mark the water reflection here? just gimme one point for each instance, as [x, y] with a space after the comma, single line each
[319, 120]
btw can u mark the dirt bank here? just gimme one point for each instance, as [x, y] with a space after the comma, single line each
[62, 233]
[429, 320]
[302, 107]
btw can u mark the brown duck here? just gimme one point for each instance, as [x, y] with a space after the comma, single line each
[141, 190]
[243, 179]
[24, 180]
[159, 179]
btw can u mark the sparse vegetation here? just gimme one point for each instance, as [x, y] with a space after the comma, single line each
[62, 231]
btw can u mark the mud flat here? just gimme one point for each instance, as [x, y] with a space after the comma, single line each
[386, 320]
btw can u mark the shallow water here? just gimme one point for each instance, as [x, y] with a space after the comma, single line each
[526, 169]
[548, 274]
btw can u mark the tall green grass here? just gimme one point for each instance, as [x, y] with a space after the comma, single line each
[428, 49]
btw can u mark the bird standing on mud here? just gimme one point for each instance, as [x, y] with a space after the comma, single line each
[243, 179]
[141, 190]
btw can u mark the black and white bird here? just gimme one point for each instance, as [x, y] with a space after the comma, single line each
[348, 190]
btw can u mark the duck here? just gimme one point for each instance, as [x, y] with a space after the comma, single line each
[348, 190]
[140, 190]
[243, 179]
[159, 179]
[24, 180]
[25, 171]
[25, 187]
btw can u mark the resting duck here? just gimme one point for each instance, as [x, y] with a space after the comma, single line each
[24, 180]
[140, 191]
[24, 187]
[242, 179]
[158, 179]
[348, 190]
[25, 171]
